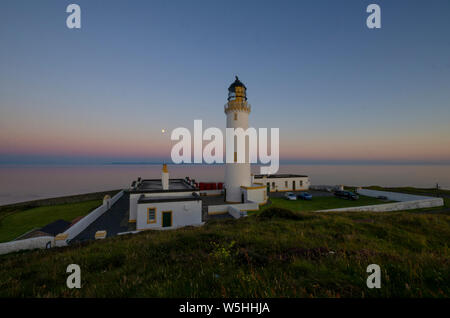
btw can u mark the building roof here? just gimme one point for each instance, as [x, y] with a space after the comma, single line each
[155, 186]
[274, 176]
[157, 199]
[56, 227]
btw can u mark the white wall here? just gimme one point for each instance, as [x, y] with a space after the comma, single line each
[82, 224]
[223, 208]
[235, 212]
[28, 244]
[388, 207]
[393, 196]
[237, 174]
[258, 195]
[407, 202]
[183, 213]
[301, 183]
[134, 198]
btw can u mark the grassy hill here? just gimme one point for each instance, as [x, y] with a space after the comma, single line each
[277, 253]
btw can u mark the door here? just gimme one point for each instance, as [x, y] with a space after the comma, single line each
[166, 218]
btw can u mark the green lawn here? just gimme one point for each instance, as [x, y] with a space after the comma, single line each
[17, 222]
[320, 203]
[311, 255]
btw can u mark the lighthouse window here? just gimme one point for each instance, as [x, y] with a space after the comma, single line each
[235, 116]
[151, 215]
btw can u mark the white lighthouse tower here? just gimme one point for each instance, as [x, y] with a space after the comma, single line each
[237, 175]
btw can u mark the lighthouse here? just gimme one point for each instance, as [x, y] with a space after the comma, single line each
[237, 110]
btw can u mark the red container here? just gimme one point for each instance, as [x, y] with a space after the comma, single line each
[220, 185]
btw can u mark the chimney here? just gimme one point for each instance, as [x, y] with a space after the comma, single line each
[165, 178]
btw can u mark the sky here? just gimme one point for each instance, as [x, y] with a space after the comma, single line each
[338, 91]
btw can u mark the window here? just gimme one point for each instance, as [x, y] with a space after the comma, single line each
[285, 184]
[235, 156]
[301, 183]
[235, 116]
[273, 184]
[151, 215]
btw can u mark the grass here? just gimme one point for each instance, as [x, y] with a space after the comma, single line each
[320, 203]
[21, 220]
[276, 253]
[309, 255]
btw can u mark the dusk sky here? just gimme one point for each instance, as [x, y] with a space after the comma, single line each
[338, 91]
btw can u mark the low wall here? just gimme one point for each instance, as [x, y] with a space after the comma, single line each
[81, 225]
[211, 192]
[393, 196]
[407, 202]
[388, 207]
[28, 244]
[235, 212]
[224, 208]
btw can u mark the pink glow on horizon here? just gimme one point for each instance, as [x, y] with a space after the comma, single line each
[39, 137]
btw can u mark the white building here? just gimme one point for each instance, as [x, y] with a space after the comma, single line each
[170, 203]
[237, 175]
[164, 203]
[283, 182]
[239, 186]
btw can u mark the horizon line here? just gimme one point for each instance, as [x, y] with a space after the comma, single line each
[282, 162]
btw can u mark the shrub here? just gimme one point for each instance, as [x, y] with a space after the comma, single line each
[280, 213]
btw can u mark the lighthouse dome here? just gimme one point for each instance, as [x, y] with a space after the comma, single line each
[236, 83]
[237, 90]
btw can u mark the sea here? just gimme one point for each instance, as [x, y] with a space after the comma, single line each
[19, 183]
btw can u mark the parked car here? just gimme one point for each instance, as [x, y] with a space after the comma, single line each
[346, 195]
[304, 196]
[290, 196]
